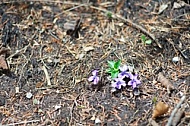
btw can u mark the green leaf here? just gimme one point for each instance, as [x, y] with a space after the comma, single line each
[114, 74]
[117, 64]
[109, 70]
[148, 41]
[111, 64]
[143, 38]
[154, 100]
[109, 14]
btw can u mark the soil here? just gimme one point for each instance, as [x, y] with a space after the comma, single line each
[48, 50]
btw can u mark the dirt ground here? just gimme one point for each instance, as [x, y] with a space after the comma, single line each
[48, 50]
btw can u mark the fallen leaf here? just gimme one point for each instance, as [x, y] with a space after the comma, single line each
[3, 63]
[165, 82]
[160, 109]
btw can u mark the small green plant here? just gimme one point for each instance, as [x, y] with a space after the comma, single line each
[154, 100]
[109, 15]
[113, 68]
[145, 40]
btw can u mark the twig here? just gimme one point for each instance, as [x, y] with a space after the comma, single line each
[41, 54]
[116, 16]
[50, 1]
[18, 51]
[81, 5]
[72, 108]
[175, 110]
[61, 70]
[47, 75]
[22, 122]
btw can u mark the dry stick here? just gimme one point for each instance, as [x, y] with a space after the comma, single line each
[131, 23]
[32, 121]
[47, 75]
[72, 108]
[175, 110]
[50, 1]
[81, 5]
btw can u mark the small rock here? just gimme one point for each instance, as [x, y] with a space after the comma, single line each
[97, 120]
[29, 95]
[175, 59]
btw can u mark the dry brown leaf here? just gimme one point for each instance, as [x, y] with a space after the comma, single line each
[160, 109]
[3, 63]
[165, 82]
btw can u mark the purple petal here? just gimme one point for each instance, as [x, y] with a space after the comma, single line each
[130, 76]
[135, 76]
[95, 72]
[130, 83]
[120, 75]
[123, 84]
[118, 86]
[138, 81]
[118, 83]
[91, 78]
[134, 85]
[96, 80]
[125, 74]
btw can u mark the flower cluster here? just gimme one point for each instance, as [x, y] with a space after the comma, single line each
[124, 77]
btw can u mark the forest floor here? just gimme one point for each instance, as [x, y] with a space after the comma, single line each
[48, 50]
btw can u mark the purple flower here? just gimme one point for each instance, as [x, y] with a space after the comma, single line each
[94, 77]
[118, 82]
[124, 72]
[134, 81]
